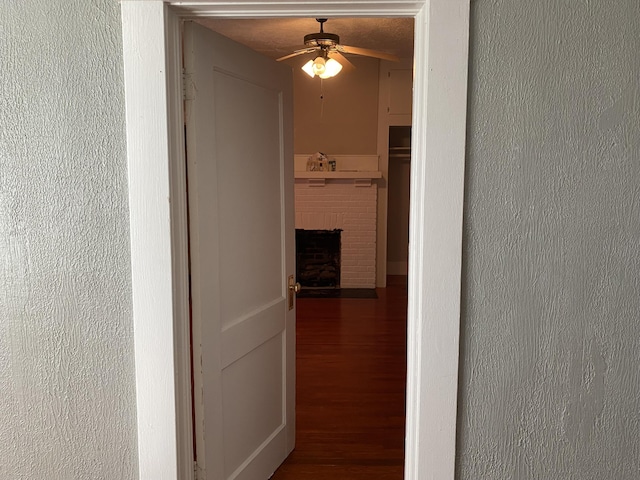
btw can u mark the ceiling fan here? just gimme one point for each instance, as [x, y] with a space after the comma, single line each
[329, 60]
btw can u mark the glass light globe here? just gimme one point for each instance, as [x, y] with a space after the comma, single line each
[319, 66]
[308, 68]
[332, 68]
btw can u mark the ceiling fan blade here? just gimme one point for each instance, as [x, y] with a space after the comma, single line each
[346, 64]
[367, 53]
[296, 53]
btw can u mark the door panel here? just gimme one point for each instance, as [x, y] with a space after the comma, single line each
[240, 177]
[251, 163]
[250, 420]
[250, 332]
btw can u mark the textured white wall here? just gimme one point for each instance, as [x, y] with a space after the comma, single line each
[550, 377]
[67, 391]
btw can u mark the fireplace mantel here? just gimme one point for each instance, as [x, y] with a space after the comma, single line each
[338, 175]
[319, 179]
[361, 170]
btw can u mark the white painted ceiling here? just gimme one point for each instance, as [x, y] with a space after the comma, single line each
[278, 37]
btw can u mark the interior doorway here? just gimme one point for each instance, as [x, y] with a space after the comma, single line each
[155, 152]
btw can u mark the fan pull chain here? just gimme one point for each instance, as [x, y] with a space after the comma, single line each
[321, 97]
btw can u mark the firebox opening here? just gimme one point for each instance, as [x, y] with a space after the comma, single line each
[318, 258]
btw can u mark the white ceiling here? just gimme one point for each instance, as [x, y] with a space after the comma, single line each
[278, 37]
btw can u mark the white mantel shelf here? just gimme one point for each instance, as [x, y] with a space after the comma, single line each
[329, 175]
[319, 179]
[338, 175]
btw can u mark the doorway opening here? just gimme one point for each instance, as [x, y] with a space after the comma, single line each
[347, 118]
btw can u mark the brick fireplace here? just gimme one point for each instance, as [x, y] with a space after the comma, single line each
[348, 205]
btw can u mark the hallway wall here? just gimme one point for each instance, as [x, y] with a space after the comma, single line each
[67, 391]
[550, 385]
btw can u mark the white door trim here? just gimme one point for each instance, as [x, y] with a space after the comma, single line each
[157, 208]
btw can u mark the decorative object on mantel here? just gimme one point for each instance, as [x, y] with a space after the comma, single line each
[318, 162]
[343, 163]
[316, 169]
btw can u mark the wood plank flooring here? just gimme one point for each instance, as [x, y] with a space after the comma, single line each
[351, 376]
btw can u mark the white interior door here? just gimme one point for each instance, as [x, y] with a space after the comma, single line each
[240, 180]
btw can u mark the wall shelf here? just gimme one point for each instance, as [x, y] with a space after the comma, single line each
[403, 153]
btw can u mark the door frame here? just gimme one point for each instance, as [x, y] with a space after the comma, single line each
[158, 221]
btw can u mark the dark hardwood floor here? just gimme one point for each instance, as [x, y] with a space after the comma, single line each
[351, 376]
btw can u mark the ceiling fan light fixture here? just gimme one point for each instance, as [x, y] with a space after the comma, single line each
[322, 68]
